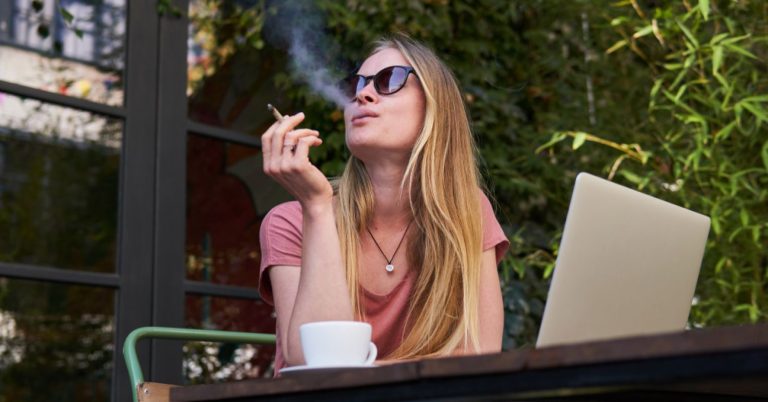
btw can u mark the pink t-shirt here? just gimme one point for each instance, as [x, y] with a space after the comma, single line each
[280, 236]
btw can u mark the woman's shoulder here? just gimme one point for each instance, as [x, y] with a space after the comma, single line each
[485, 201]
[288, 208]
[284, 215]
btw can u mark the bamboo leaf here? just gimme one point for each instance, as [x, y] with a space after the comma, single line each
[744, 217]
[725, 132]
[631, 177]
[756, 110]
[618, 21]
[616, 46]
[557, 137]
[578, 140]
[717, 38]
[764, 155]
[656, 87]
[643, 32]
[758, 98]
[735, 233]
[717, 58]
[736, 39]
[720, 264]
[688, 35]
[704, 8]
[548, 270]
[740, 50]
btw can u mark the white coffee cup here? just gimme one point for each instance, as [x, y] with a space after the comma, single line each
[337, 343]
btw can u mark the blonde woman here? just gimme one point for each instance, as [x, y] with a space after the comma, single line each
[404, 239]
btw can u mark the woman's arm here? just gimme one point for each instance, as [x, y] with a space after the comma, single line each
[318, 291]
[491, 308]
[491, 305]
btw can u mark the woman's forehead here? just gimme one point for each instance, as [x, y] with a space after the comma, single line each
[382, 59]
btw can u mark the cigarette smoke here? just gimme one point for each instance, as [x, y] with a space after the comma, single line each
[300, 26]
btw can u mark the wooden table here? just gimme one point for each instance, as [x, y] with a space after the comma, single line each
[719, 364]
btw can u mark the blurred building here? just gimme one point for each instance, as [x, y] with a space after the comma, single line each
[131, 193]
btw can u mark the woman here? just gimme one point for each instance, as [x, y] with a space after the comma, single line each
[404, 239]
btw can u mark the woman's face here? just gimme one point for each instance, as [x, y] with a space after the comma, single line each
[384, 125]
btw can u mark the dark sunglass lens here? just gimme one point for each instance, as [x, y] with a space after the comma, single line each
[398, 79]
[352, 85]
[360, 84]
[393, 80]
[382, 81]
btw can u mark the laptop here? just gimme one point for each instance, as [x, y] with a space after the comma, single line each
[627, 265]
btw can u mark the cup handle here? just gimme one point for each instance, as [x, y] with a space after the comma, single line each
[372, 352]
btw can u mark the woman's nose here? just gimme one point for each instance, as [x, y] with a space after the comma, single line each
[367, 94]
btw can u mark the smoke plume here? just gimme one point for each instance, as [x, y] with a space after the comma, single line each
[299, 26]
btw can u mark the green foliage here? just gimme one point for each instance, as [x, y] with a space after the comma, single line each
[670, 99]
[707, 109]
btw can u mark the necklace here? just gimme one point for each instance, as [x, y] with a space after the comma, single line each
[389, 266]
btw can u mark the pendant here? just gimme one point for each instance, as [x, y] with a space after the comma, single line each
[389, 267]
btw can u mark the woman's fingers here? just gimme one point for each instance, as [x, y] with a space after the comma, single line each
[302, 147]
[280, 146]
[292, 137]
[298, 161]
[287, 124]
[266, 144]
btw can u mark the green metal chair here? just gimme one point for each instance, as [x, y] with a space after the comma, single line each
[147, 391]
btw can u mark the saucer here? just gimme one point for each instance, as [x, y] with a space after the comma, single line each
[297, 369]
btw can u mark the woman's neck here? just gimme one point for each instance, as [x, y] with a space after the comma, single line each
[392, 208]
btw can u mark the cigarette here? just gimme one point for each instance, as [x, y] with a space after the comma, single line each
[274, 111]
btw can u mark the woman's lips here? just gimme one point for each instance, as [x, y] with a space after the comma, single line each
[362, 120]
[363, 117]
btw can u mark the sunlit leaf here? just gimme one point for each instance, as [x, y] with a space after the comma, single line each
[616, 46]
[735, 233]
[717, 58]
[759, 98]
[725, 131]
[578, 140]
[717, 38]
[736, 39]
[557, 137]
[756, 110]
[688, 35]
[704, 8]
[643, 32]
[740, 50]
[764, 155]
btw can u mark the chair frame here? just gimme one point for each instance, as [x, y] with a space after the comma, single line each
[132, 360]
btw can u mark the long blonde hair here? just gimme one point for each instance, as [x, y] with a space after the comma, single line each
[442, 181]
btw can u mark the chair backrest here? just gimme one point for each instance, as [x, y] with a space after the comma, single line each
[132, 360]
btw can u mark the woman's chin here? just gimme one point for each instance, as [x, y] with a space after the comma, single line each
[363, 141]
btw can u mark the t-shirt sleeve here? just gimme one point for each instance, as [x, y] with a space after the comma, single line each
[280, 240]
[493, 234]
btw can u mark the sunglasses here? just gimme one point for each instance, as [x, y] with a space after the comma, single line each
[386, 82]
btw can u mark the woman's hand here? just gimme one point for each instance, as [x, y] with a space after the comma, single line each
[285, 151]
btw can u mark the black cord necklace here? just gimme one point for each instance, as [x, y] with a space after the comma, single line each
[389, 266]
